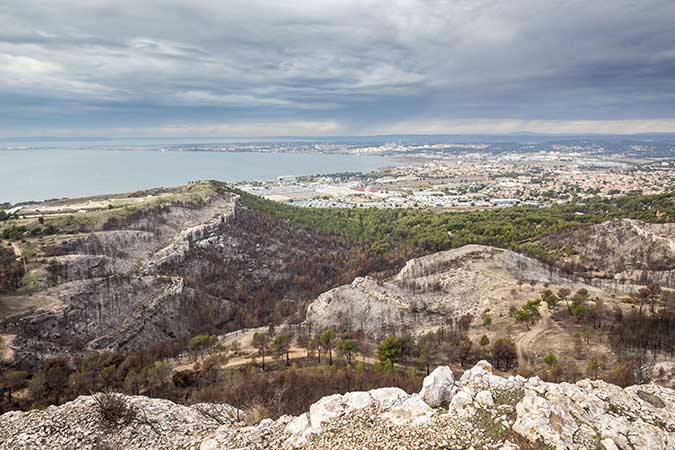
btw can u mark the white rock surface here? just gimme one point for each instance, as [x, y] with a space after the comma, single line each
[484, 399]
[388, 397]
[438, 387]
[413, 411]
[460, 400]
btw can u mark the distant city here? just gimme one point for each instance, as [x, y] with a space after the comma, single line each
[480, 175]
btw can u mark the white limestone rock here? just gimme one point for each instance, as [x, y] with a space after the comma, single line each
[609, 444]
[325, 409]
[388, 397]
[438, 387]
[357, 400]
[298, 430]
[413, 411]
[575, 416]
[484, 399]
[587, 414]
[460, 400]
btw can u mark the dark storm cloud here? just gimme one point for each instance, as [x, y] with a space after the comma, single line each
[316, 67]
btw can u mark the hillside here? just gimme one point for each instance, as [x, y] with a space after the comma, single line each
[622, 250]
[199, 293]
[130, 271]
[459, 288]
[479, 410]
[432, 289]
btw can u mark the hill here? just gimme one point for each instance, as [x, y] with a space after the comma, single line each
[622, 250]
[130, 271]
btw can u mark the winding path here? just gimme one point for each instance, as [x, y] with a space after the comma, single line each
[524, 341]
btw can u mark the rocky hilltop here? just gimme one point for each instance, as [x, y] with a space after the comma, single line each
[432, 288]
[480, 410]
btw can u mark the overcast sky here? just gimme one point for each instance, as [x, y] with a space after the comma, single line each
[328, 67]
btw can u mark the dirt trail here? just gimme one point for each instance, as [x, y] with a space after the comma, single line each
[248, 351]
[524, 341]
[6, 350]
[17, 250]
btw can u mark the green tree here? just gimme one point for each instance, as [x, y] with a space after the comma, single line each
[528, 313]
[53, 379]
[550, 299]
[427, 349]
[282, 345]
[550, 359]
[347, 348]
[201, 343]
[394, 349]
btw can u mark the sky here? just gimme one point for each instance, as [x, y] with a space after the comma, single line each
[328, 68]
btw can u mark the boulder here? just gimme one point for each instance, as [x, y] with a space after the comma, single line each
[480, 376]
[460, 400]
[357, 400]
[413, 411]
[438, 387]
[388, 397]
[484, 399]
[576, 416]
[325, 409]
[298, 430]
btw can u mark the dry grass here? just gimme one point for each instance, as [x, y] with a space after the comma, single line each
[255, 413]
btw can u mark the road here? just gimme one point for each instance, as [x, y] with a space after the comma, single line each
[524, 341]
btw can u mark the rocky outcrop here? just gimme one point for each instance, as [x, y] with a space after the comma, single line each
[77, 425]
[480, 410]
[189, 238]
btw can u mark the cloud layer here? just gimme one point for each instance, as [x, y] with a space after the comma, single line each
[335, 67]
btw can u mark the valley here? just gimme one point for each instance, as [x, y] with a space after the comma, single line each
[207, 293]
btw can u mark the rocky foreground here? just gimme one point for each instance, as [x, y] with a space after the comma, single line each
[480, 411]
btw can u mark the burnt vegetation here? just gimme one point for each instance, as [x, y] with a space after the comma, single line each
[11, 271]
[270, 269]
[274, 259]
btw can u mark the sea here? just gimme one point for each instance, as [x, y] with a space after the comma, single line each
[35, 171]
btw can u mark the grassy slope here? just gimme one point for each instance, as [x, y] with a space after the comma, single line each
[96, 220]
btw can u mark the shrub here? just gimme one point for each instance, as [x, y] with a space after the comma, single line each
[256, 413]
[114, 410]
[550, 359]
